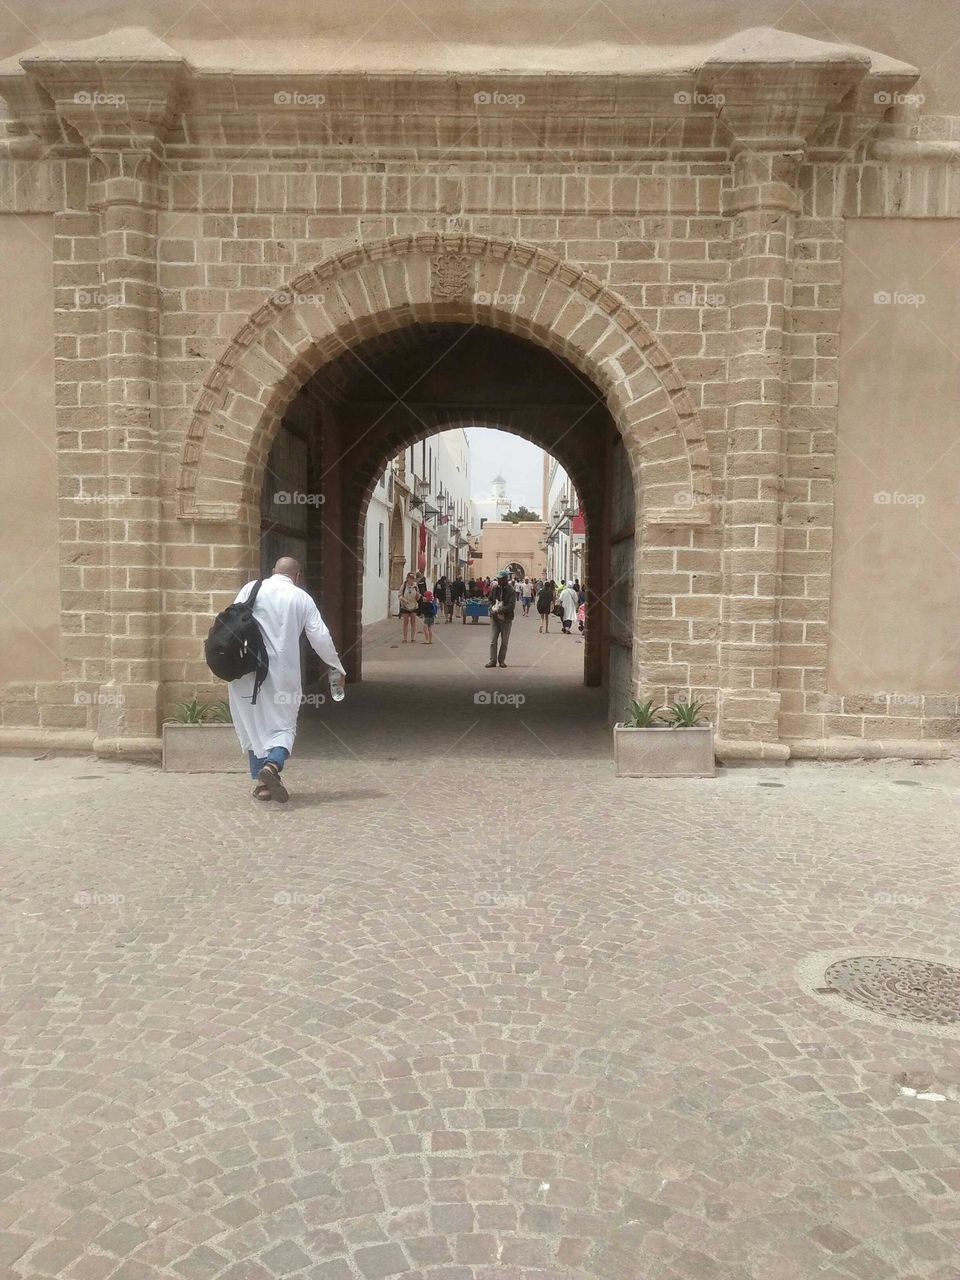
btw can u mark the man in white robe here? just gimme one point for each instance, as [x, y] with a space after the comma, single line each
[266, 731]
[569, 604]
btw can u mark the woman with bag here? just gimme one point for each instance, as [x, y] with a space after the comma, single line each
[545, 605]
[409, 607]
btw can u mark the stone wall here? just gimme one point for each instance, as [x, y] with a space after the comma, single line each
[687, 263]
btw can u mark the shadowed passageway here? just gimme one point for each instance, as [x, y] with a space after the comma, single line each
[441, 700]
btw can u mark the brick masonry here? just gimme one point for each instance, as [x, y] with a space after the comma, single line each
[686, 262]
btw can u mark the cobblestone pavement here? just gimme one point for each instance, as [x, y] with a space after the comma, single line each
[470, 1012]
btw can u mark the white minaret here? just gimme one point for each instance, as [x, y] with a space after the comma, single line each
[500, 500]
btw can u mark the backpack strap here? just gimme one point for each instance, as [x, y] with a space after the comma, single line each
[251, 599]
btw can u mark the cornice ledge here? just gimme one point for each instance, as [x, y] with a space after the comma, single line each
[772, 89]
[915, 151]
[118, 91]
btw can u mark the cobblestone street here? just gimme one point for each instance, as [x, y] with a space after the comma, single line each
[469, 1007]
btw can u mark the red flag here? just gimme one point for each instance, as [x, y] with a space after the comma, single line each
[422, 556]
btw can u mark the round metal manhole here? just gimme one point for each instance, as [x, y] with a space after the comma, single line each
[900, 987]
[910, 992]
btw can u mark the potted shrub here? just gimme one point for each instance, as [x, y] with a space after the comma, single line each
[664, 742]
[199, 737]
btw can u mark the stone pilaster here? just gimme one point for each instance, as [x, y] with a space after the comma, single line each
[763, 204]
[118, 110]
[771, 112]
[124, 192]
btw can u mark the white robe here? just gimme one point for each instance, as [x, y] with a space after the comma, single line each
[569, 603]
[284, 611]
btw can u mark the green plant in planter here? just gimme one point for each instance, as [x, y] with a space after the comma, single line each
[683, 714]
[643, 715]
[193, 711]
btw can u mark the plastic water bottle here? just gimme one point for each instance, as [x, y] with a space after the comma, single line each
[337, 691]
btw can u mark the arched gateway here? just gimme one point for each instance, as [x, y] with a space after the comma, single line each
[725, 210]
[661, 472]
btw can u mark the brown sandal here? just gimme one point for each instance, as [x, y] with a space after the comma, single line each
[261, 792]
[269, 777]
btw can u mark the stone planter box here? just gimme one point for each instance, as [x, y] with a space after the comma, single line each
[202, 748]
[664, 753]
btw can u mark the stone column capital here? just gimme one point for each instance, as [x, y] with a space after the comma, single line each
[776, 105]
[764, 180]
[123, 176]
[112, 103]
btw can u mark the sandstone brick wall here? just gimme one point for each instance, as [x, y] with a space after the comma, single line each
[646, 275]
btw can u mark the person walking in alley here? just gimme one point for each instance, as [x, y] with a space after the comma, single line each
[266, 728]
[409, 607]
[526, 595]
[446, 598]
[545, 604]
[503, 603]
[428, 611]
[569, 604]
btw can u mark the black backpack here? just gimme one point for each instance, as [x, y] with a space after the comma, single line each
[235, 645]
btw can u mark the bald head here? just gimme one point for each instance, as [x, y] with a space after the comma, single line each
[289, 567]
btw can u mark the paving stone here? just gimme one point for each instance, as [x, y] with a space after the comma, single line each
[620, 1074]
[381, 1260]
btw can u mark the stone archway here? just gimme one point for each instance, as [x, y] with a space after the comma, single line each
[375, 288]
[380, 288]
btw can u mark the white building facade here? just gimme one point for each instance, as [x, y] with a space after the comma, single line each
[420, 519]
[565, 532]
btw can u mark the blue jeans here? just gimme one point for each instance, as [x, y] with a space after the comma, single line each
[276, 755]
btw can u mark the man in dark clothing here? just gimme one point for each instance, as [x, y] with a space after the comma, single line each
[503, 602]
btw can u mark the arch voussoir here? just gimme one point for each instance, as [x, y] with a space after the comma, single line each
[371, 289]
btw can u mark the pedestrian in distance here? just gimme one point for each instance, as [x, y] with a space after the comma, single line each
[569, 604]
[448, 600]
[545, 599]
[409, 607]
[428, 611]
[503, 603]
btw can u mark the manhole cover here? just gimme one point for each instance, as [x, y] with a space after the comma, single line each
[899, 987]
